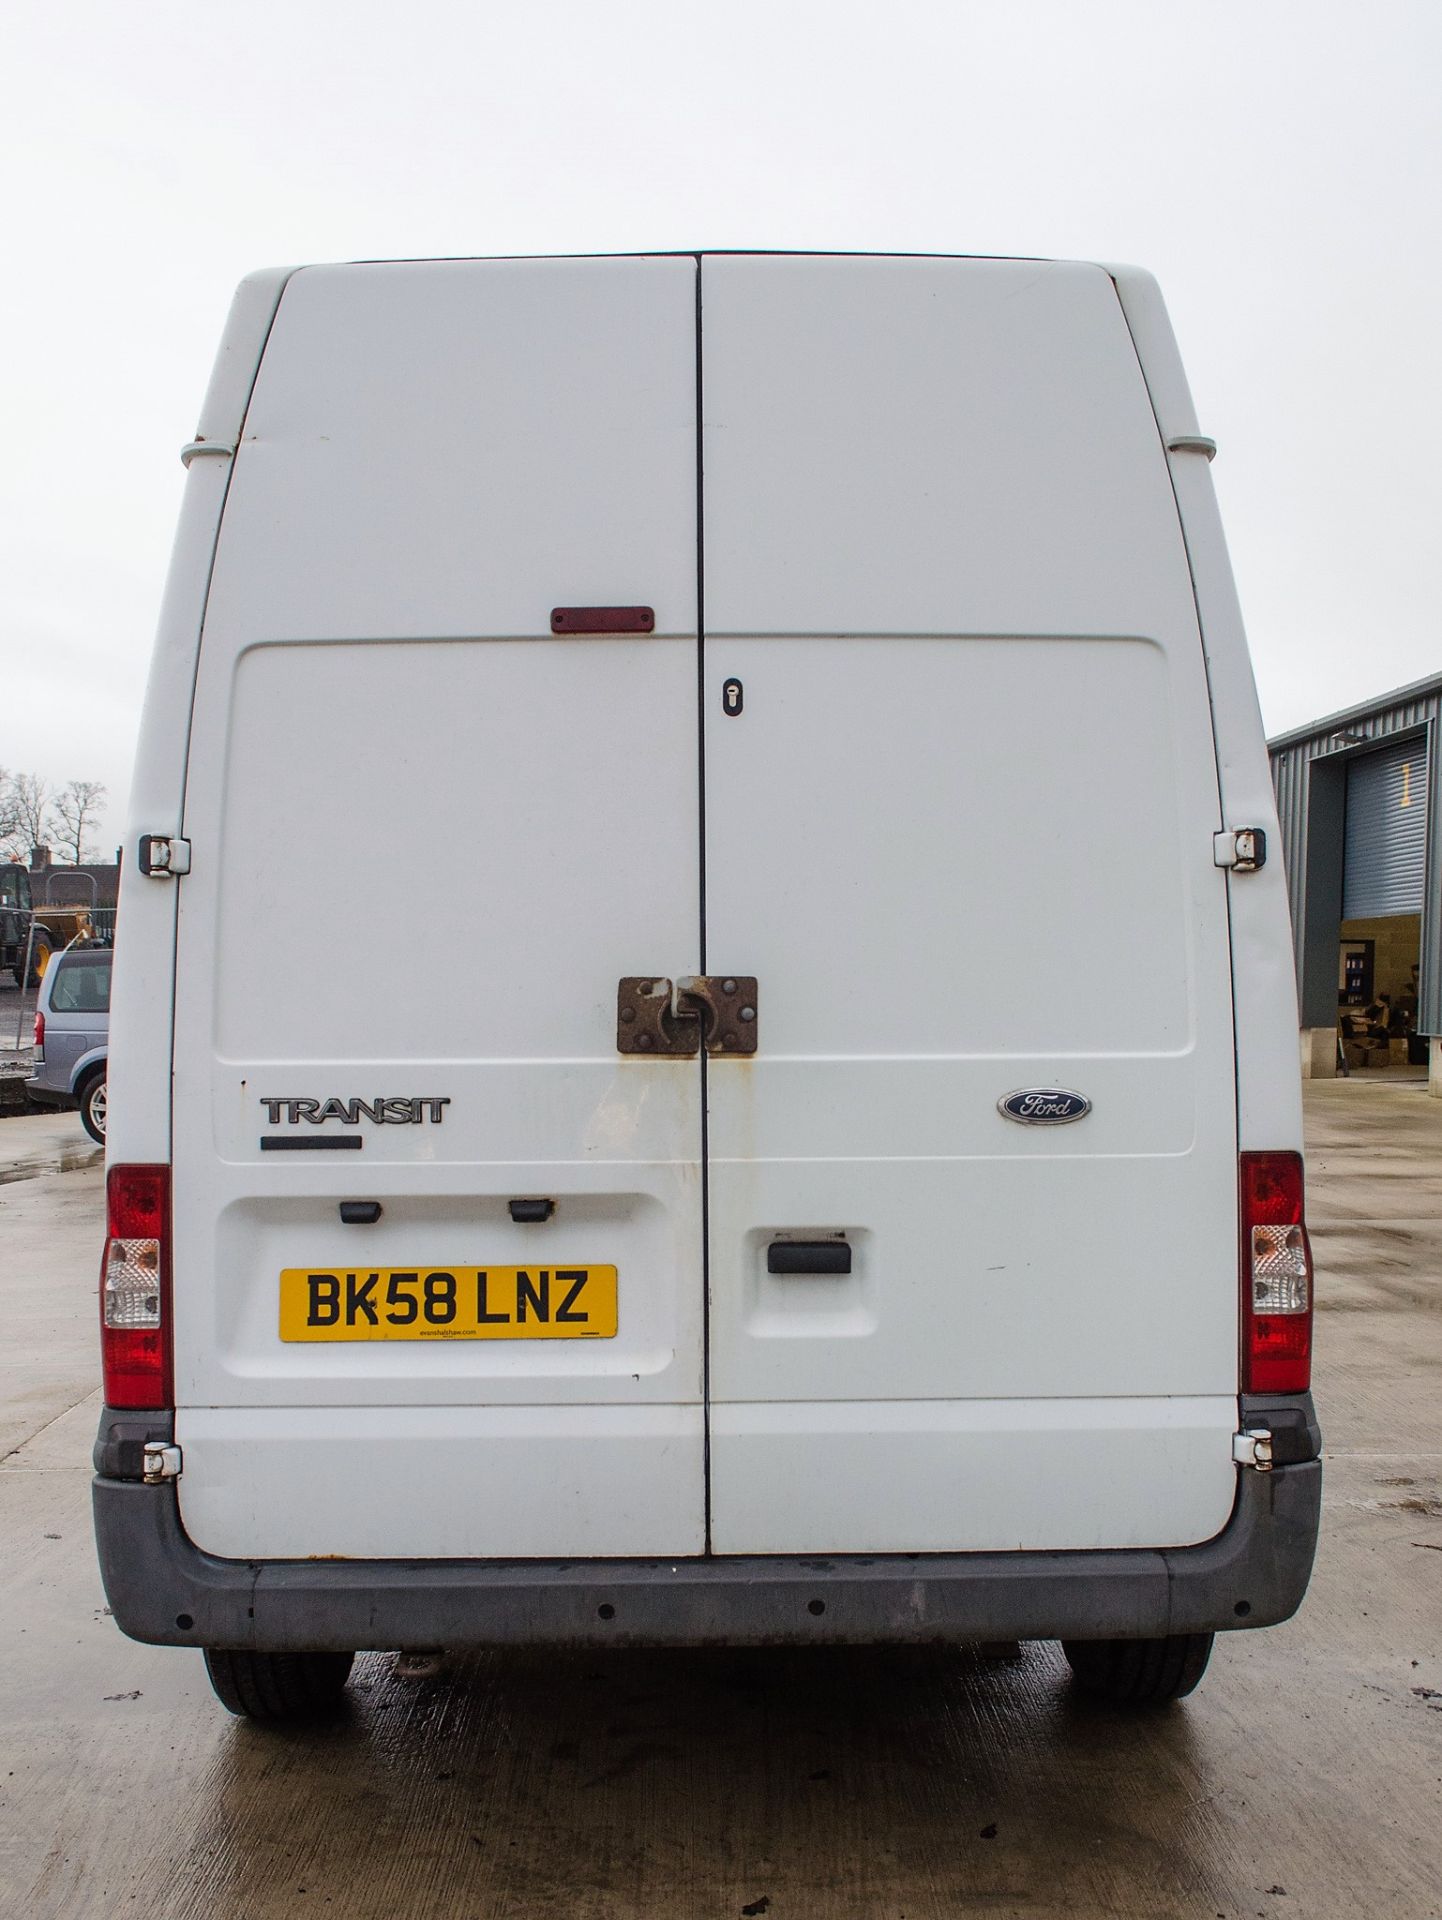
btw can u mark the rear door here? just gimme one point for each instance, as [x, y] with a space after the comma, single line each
[960, 796]
[960, 789]
[430, 835]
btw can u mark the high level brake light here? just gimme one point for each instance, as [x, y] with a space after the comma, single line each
[135, 1289]
[1276, 1276]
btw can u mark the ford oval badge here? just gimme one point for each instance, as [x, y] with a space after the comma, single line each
[1044, 1106]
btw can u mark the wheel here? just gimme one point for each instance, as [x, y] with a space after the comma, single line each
[1139, 1673]
[278, 1687]
[40, 952]
[91, 1095]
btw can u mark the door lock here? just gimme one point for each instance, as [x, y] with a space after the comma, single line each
[677, 1018]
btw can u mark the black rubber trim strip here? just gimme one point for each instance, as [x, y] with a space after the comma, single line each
[163, 1589]
[304, 1143]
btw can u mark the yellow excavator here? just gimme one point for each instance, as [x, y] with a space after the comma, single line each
[30, 933]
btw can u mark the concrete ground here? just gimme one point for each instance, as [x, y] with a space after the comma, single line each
[1304, 1778]
[36, 1143]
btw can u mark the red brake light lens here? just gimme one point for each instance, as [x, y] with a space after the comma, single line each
[1276, 1276]
[135, 1289]
[39, 1028]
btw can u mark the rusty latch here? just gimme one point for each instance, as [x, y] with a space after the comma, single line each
[677, 1018]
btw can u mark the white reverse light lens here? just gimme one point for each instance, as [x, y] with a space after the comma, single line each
[1279, 1270]
[132, 1283]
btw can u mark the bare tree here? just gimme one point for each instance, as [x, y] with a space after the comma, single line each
[73, 815]
[25, 811]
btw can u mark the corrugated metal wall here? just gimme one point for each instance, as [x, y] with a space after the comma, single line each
[1385, 843]
[1311, 771]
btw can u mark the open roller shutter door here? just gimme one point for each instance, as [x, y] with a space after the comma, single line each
[1386, 832]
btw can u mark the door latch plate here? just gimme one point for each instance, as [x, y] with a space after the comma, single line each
[677, 1018]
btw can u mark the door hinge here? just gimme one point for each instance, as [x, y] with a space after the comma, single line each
[1253, 1449]
[164, 855]
[1241, 849]
[160, 1461]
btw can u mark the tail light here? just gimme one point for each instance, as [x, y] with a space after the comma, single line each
[39, 1038]
[1276, 1276]
[135, 1288]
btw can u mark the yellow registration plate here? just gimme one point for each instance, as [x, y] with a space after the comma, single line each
[448, 1303]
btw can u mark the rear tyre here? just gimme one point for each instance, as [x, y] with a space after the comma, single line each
[40, 952]
[91, 1095]
[1139, 1673]
[278, 1688]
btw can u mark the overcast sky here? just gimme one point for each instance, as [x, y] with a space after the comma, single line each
[1276, 164]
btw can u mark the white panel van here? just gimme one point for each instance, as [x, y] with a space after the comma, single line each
[704, 1035]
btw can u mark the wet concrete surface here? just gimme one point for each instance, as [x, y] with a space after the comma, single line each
[36, 1143]
[1303, 1778]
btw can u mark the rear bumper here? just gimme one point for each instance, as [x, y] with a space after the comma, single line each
[49, 1096]
[164, 1590]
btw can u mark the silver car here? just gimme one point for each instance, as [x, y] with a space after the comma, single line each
[72, 1033]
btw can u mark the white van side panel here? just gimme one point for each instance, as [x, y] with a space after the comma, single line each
[429, 837]
[143, 990]
[962, 833]
[932, 446]
[491, 987]
[451, 448]
[552, 1482]
[1012, 1474]
[1264, 983]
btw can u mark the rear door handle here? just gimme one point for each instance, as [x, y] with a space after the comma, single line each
[808, 1256]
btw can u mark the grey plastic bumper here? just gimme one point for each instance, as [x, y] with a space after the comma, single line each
[163, 1589]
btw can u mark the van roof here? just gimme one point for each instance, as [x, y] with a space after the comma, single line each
[717, 253]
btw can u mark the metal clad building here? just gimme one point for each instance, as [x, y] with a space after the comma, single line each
[1385, 839]
[1359, 797]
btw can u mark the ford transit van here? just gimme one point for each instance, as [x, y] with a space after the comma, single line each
[704, 1031]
